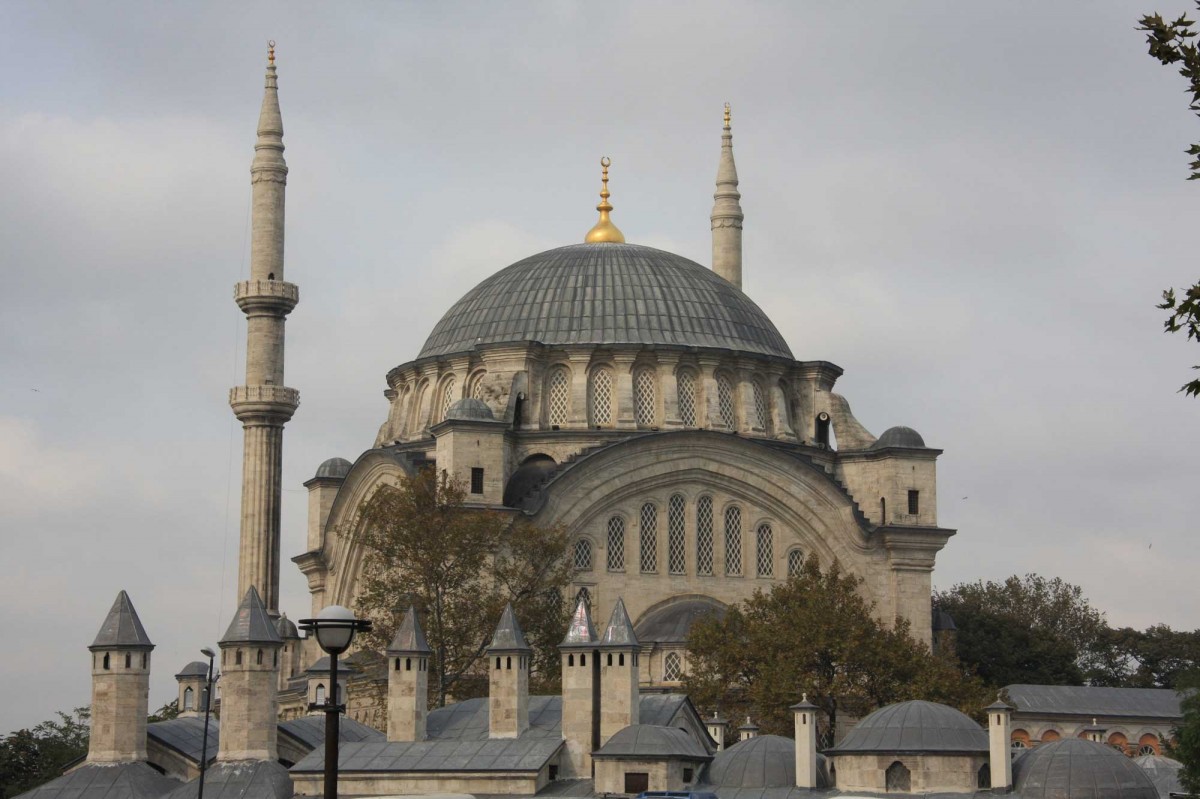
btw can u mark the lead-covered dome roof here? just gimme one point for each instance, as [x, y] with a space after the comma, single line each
[606, 293]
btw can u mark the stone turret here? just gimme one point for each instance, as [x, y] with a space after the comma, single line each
[264, 404]
[120, 686]
[619, 697]
[999, 747]
[508, 680]
[727, 213]
[408, 681]
[580, 695]
[804, 714]
[249, 679]
[192, 679]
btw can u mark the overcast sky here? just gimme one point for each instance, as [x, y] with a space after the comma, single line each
[971, 207]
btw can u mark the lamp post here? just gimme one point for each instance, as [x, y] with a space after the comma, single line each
[208, 686]
[334, 628]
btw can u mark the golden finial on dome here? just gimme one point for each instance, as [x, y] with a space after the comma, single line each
[604, 230]
[271, 50]
[727, 115]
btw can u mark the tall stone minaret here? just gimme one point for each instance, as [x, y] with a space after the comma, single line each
[263, 405]
[727, 214]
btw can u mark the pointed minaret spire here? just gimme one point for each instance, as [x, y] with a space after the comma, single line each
[264, 404]
[727, 213]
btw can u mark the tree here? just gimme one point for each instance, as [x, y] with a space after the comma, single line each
[1026, 630]
[1171, 43]
[458, 567]
[31, 757]
[815, 635]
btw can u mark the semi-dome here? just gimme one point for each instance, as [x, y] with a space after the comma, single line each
[606, 293]
[470, 409]
[764, 761]
[336, 468]
[900, 436]
[915, 727]
[1080, 769]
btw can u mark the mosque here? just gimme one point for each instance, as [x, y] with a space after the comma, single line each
[648, 405]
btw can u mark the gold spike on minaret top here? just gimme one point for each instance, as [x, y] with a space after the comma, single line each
[604, 230]
[726, 116]
[271, 50]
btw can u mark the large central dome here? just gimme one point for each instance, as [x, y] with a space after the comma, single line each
[606, 294]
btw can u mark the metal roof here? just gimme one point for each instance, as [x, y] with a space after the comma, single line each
[251, 624]
[672, 623]
[764, 761]
[508, 636]
[243, 779]
[526, 753]
[917, 727]
[107, 781]
[619, 631]
[122, 629]
[186, 736]
[410, 638]
[1080, 769]
[1075, 700]
[606, 294]
[652, 742]
[310, 730]
[581, 631]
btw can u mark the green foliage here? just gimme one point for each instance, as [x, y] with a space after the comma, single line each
[1026, 630]
[1172, 44]
[31, 757]
[458, 567]
[815, 635]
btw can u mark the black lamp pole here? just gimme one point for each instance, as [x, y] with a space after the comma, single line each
[208, 686]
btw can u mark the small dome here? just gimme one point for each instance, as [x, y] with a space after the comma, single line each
[672, 623]
[194, 669]
[1085, 769]
[915, 727]
[764, 761]
[900, 437]
[286, 628]
[469, 408]
[653, 742]
[336, 468]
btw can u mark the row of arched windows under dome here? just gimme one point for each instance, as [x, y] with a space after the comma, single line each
[701, 534]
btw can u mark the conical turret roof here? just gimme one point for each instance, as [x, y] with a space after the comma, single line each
[251, 624]
[620, 629]
[410, 638]
[580, 632]
[508, 636]
[122, 629]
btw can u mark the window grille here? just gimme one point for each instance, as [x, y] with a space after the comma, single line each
[676, 540]
[766, 550]
[643, 398]
[795, 562]
[616, 544]
[733, 540]
[447, 396]
[725, 401]
[649, 543]
[602, 398]
[704, 535]
[685, 386]
[559, 401]
[583, 555]
[761, 414]
[672, 667]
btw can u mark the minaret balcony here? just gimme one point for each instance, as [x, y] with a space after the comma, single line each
[266, 296]
[278, 402]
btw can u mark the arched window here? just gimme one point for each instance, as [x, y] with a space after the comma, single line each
[762, 414]
[733, 540]
[320, 695]
[583, 555]
[649, 540]
[189, 698]
[685, 386]
[704, 535]
[672, 667]
[795, 562]
[676, 540]
[765, 548]
[725, 401]
[616, 544]
[601, 391]
[643, 397]
[558, 400]
[898, 778]
[447, 397]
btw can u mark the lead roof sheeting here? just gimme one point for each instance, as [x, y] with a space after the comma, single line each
[122, 628]
[259, 779]
[186, 736]
[1088, 701]
[606, 294]
[516, 754]
[94, 781]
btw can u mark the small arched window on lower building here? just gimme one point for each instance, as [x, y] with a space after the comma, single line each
[672, 667]
[189, 698]
[898, 778]
[583, 555]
